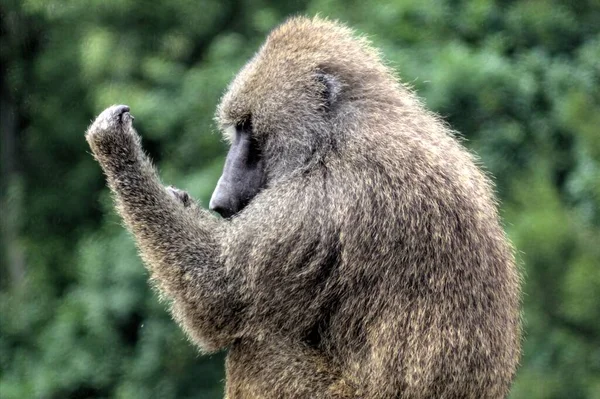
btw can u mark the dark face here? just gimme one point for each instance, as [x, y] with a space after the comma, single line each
[243, 175]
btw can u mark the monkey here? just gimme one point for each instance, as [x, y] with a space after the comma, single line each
[357, 252]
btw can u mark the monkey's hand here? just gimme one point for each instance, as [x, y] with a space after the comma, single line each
[116, 145]
[180, 195]
[112, 137]
[190, 204]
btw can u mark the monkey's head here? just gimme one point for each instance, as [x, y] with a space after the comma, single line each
[290, 107]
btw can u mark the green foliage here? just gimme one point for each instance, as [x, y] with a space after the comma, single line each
[518, 79]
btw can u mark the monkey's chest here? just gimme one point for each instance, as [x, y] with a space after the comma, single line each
[277, 369]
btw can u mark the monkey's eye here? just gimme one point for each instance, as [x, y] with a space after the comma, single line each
[248, 142]
[244, 131]
[245, 124]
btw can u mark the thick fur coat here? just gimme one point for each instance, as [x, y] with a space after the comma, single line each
[371, 265]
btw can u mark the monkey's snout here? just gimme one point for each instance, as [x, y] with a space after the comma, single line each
[221, 205]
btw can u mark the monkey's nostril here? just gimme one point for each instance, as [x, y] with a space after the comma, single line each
[220, 206]
[223, 211]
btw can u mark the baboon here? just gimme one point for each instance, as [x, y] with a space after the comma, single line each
[360, 253]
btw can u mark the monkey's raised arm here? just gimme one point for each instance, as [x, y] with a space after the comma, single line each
[182, 252]
[227, 278]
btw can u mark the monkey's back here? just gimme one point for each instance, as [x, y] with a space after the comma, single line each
[428, 284]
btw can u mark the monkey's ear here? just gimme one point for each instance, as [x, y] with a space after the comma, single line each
[332, 88]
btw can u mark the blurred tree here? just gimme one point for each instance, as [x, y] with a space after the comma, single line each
[519, 79]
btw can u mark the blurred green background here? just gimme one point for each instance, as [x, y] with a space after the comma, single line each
[520, 80]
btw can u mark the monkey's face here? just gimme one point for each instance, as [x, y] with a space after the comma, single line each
[279, 115]
[274, 136]
[243, 175]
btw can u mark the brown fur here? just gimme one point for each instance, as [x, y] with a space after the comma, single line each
[373, 264]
